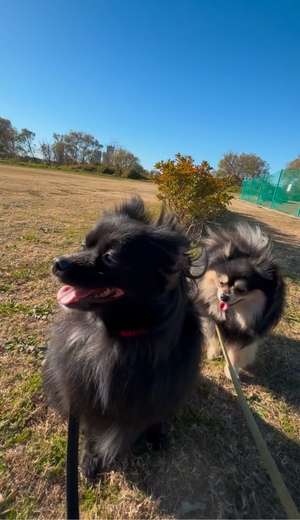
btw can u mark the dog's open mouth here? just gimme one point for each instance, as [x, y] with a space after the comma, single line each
[69, 294]
[224, 306]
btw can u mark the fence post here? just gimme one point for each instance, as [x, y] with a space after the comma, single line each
[250, 188]
[276, 189]
[262, 183]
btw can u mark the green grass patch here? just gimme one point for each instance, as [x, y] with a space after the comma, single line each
[17, 408]
[49, 456]
[289, 424]
[73, 236]
[28, 345]
[10, 308]
[43, 312]
[292, 313]
[32, 271]
[70, 169]
[30, 237]
[21, 275]
[5, 288]
[289, 428]
[28, 508]
[192, 417]
[93, 499]
[219, 362]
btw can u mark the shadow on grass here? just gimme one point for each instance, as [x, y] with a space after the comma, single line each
[278, 369]
[212, 468]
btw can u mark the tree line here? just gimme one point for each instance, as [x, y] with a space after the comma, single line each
[84, 151]
[75, 149]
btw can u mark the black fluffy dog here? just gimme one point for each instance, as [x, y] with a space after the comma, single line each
[125, 356]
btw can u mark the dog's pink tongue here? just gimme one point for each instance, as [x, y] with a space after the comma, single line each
[223, 306]
[68, 294]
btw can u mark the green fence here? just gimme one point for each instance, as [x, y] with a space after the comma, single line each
[279, 191]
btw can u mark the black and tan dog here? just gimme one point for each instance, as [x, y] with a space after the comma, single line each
[242, 291]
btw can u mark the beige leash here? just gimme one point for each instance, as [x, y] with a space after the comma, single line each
[278, 483]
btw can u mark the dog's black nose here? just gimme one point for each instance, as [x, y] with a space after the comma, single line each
[60, 264]
[224, 297]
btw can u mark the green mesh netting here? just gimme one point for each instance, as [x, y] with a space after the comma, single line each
[280, 190]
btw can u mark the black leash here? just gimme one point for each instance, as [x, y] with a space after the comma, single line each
[72, 469]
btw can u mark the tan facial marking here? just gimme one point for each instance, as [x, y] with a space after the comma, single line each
[222, 282]
[210, 277]
[223, 278]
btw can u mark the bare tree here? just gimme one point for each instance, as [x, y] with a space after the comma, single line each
[58, 148]
[26, 146]
[46, 151]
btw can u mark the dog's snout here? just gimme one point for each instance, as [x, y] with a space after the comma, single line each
[224, 297]
[60, 264]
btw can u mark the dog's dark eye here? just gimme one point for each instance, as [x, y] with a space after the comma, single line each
[240, 290]
[108, 259]
[221, 283]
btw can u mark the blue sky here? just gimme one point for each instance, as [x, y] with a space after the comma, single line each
[199, 77]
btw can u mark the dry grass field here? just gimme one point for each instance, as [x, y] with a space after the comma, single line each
[212, 468]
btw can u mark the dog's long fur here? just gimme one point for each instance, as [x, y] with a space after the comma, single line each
[242, 278]
[126, 359]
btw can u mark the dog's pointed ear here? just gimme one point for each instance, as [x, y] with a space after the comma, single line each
[133, 208]
[214, 237]
[173, 255]
[168, 220]
[265, 266]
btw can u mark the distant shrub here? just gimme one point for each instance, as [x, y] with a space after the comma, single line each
[134, 174]
[85, 167]
[107, 170]
[190, 190]
[28, 164]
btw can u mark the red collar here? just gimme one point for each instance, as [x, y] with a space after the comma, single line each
[128, 333]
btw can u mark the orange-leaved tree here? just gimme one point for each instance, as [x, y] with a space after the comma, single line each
[190, 190]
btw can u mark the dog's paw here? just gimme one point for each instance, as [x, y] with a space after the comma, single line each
[213, 353]
[227, 372]
[160, 443]
[155, 436]
[89, 464]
